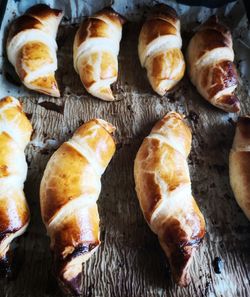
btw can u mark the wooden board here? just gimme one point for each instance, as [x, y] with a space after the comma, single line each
[129, 262]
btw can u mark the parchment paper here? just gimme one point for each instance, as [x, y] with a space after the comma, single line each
[129, 262]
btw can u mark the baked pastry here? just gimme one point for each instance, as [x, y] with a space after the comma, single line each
[163, 188]
[239, 164]
[210, 58]
[15, 132]
[31, 48]
[96, 48]
[69, 190]
[159, 48]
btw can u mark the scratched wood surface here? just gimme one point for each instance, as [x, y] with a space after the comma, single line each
[130, 263]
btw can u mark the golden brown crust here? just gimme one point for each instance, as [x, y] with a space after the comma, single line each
[90, 28]
[211, 68]
[14, 213]
[81, 228]
[101, 143]
[32, 19]
[13, 114]
[213, 23]
[208, 39]
[43, 11]
[229, 103]
[35, 60]
[164, 65]
[67, 180]
[107, 67]
[94, 26]
[159, 48]
[15, 132]
[222, 75]
[180, 131]
[163, 189]
[68, 193]
[170, 169]
[24, 22]
[96, 47]
[153, 28]
[161, 21]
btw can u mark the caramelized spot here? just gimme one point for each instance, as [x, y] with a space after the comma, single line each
[164, 65]
[33, 56]
[155, 28]
[220, 76]
[45, 82]
[90, 28]
[210, 39]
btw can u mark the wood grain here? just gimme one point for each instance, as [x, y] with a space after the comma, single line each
[129, 262]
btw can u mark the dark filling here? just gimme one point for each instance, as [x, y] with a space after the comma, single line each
[72, 286]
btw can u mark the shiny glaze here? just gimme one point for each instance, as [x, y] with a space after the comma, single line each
[163, 189]
[164, 63]
[69, 190]
[35, 54]
[211, 68]
[97, 65]
[14, 211]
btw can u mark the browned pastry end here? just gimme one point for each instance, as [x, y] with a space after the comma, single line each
[163, 188]
[68, 193]
[239, 164]
[210, 59]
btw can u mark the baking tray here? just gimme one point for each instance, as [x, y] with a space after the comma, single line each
[129, 262]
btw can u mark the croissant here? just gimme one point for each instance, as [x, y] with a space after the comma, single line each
[159, 49]
[15, 132]
[31, 48]
[96, 47]
[163, 188]
[211, 69]
[68, 193]
[239, 164]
